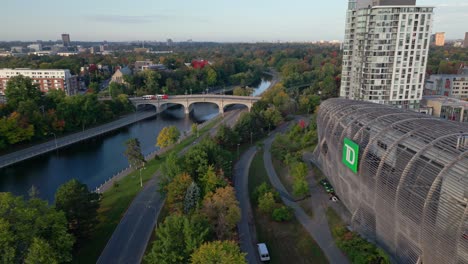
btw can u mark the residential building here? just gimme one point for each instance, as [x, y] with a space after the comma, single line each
[451, 85]
[66, 40]
[35, 46]
[140, 64]
[439, 39]
[17, 49]
[46, 80]
[385, 51]
[118, 76]
[447, 108]
[402, 175]
[465, 43]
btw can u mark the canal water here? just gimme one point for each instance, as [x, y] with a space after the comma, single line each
[96, 160]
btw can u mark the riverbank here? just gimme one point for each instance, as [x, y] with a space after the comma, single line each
[57, 143]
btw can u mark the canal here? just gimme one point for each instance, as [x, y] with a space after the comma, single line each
[98, 159]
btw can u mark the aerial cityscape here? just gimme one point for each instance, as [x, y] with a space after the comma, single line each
[234, 132]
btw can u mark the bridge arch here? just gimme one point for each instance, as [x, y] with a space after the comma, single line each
[146, 106]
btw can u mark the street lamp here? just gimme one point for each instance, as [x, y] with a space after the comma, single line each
[207, 90]
[238, 144]
[251, 133]
[55, 139]
[141, 180]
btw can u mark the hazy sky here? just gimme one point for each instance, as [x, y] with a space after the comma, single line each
[200, 20]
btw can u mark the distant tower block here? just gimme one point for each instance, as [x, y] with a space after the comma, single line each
[66, 39]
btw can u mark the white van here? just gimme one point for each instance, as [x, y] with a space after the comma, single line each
[263, 252]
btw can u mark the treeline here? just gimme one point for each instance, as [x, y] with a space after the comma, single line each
[446, 60]
[181, 79]
[32, 231]
[30, 115]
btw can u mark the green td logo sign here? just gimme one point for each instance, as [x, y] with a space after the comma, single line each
[350, 154]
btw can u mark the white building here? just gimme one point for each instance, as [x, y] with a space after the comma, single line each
[35, 46]
[385, 51]
[46, 80]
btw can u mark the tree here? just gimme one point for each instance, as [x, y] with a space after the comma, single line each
[30, 226]
[226, 137]
[168, 136]
[133, 153]
[115, 89]
[192, 195]
[176, 238]
[267, 203]
[211, 181]
[80, 207]
[218, 252]
[282, 214]
[299, 172]
[40, 252]
[169, 169]
[194, 129]
[196, 162]
[20, 89]
[176, 191]
[222, 210]
[14, 129]
[211, 76]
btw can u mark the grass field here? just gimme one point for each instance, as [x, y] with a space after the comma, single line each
[117, 199]
[287, 242]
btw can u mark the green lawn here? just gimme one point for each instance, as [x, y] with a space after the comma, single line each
[287, 242]
[117, 199]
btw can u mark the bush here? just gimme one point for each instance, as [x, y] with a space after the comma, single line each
[282, 214]
[266, 203]
[263, 189]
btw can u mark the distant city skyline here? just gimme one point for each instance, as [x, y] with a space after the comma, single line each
[207, 20]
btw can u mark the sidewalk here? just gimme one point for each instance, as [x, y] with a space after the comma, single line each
[317, 227]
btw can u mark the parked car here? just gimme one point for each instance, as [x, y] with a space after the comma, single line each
[263, 252]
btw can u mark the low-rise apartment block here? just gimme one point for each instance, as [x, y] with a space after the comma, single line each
[46, 80]
[451, 85]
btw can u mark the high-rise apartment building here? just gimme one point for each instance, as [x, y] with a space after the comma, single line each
[465, 43]
[439, 39]
[385, 51]
[66, 40]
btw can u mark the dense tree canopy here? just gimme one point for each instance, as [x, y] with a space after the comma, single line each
[219, 252]
[32, 232]
[80, 207]
[176, 238]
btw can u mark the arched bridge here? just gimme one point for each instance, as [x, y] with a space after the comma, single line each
[187, 100]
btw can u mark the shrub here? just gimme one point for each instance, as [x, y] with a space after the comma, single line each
[282, 214]
[266, 203]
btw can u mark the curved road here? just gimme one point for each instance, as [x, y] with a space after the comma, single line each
[246, 225]
[318, 226]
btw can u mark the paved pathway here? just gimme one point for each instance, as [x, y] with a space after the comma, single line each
[246, 226]
[129, 240]
[318, 226]
[20, 155]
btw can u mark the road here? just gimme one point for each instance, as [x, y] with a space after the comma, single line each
[318, 226]
[246, 227]
[130, 238]
[56, 143]
[128, 242]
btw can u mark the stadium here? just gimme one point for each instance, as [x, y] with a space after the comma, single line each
[402, 175]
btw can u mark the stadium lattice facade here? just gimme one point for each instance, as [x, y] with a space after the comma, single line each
[409, 191]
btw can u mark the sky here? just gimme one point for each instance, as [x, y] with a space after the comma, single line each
[199, 20]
